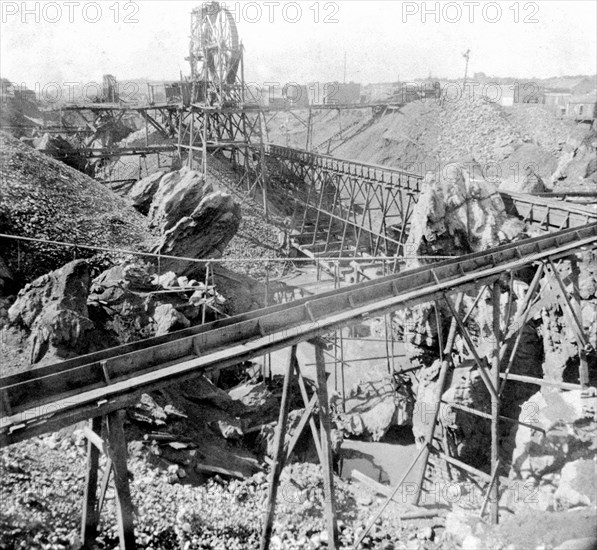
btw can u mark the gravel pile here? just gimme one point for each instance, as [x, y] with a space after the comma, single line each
[541, 127]
[477, 130]
[43, 198]
[425, 133]
[42, 491]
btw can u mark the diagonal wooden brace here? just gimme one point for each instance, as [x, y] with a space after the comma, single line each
[471, 347]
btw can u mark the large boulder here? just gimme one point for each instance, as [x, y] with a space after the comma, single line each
[529, 183]
[578, 484]
[203, 234]
[177, 195]
[372, 408]
[458, 212]
[143, 191]
[139, 303]
[556, 445]
[52, 310]
[194, 219]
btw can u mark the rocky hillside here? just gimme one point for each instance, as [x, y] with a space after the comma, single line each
[458, 214]
[45, 199]
[425, 133]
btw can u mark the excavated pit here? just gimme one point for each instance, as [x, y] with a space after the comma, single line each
[384, 420]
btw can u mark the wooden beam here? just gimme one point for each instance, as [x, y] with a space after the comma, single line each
[124, 506]
[278, 458]
[326, 448]
[495, 402]
[389, 499]
[89, 515]
[242, 338]
[439, 390]
[296, 434]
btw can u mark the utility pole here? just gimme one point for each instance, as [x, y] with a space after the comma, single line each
[466, 56]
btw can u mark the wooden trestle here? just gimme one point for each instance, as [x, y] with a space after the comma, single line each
[97, 386]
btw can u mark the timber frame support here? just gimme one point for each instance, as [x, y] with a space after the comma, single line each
[321, 439]
[560, 276]
[106, 435]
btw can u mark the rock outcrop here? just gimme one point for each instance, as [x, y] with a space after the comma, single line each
[460, 213]
[52, 310]
[138, 303]
[143, 191]
[65, 313]
[374, 407]
[194, 217]
[457, 213]
[556, 449]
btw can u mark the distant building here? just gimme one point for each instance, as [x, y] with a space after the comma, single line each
[575, 85]
[556, 100]
[583, 107]
[335, 93]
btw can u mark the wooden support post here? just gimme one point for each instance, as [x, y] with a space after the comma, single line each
[206, 121]
[326, 447]
[443, 373]
[191, 138]
[494, 479]
[495, 402]
[262, 165]
[576, 322]
[124, 506]
[342, 378]
[296, 434]
[312, 425]
[90, 515]
[520, 322]
[180, 130]
[104, 487]
[278, 458]
[583, 366]
[309, 130]
[205, 297]
[471, 347]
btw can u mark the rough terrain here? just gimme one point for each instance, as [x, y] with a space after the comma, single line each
[197, 450]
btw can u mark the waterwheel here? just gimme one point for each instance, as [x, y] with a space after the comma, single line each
[215, 53]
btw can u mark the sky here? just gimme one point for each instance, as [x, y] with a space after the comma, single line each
[301, 41]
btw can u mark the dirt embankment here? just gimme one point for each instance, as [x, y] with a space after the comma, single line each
[423, 134]
[43, 198]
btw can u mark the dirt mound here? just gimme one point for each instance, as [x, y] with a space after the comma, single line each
[402, 138]
[541, 127]
[45, 199]
[429, 132]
